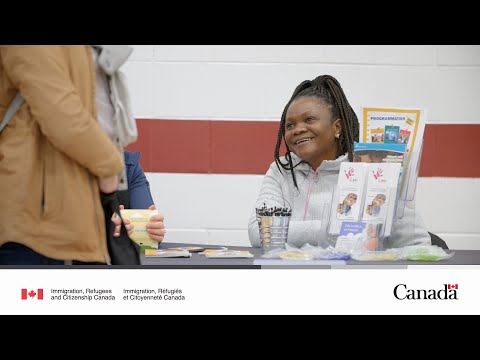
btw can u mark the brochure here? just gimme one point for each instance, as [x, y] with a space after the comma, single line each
[378, 153]
[191, 249]
[348, 195]
[139, 218]
[223, 254]
[359, 236]
[397, 126]
[350, 235]
[167, 253]
[380, 194]
[198, 249]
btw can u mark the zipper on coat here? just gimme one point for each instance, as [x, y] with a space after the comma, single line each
[311, 176]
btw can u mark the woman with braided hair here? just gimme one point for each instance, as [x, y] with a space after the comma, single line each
[319, 127]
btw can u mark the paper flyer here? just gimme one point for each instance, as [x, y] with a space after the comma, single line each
[397, 126]
[348, 195]
[139, 218]
[382, 184]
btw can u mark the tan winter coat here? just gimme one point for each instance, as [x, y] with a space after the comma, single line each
[52, 152]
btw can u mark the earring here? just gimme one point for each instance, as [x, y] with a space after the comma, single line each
[337, 135]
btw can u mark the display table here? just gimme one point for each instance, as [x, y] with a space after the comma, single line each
[461, 257]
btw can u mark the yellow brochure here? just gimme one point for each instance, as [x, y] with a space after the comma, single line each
[139, 218]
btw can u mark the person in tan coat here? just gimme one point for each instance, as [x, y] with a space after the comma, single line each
[54, 158]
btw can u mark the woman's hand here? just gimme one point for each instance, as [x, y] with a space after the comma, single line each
[155, 227]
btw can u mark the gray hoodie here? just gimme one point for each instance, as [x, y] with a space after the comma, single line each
[311, 205]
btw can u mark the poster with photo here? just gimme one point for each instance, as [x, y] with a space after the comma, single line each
[397, 126]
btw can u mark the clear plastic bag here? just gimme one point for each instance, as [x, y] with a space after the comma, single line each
[409, 253]
[425, 253]
[307, 252]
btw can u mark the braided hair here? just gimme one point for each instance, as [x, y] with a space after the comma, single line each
[328, 89]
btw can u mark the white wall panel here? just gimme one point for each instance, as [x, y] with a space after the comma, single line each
[381, 54]
[461, 241]
[254, 91]
[139, 75]
[207, 237]
[458, 55]
[241, 53]
[186, 236]
[218, 91]
[350, 54]
[192, 201]
[229, 237]
[142, 53]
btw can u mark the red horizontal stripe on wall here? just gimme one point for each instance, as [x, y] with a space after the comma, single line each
[173, 146]
[246, 147]
[451, 151]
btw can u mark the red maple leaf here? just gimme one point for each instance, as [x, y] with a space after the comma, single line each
[32, 293]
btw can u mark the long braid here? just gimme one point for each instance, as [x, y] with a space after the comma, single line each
[327, 88]
[350, 125]
[281, 133]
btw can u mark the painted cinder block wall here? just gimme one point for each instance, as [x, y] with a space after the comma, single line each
[208, 117]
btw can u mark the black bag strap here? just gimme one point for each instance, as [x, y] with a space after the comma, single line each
[122, 249]
[124, 198]
[12, 109]
[112, 202]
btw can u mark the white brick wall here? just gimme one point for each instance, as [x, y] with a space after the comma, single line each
[141, 86]
[142, 53]
[240, 53]
[459, 55]
[420, 55]
[254, 82]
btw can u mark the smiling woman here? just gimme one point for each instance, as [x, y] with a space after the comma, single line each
[311, 131]
[319, 127]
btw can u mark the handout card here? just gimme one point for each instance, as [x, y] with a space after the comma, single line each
[227, 254]
[192, 249]
[139, 218]
[351, 233]
[198, 249]
[167, 253]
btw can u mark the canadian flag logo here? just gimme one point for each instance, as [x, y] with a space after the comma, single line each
[32, 294]
[453, 286]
